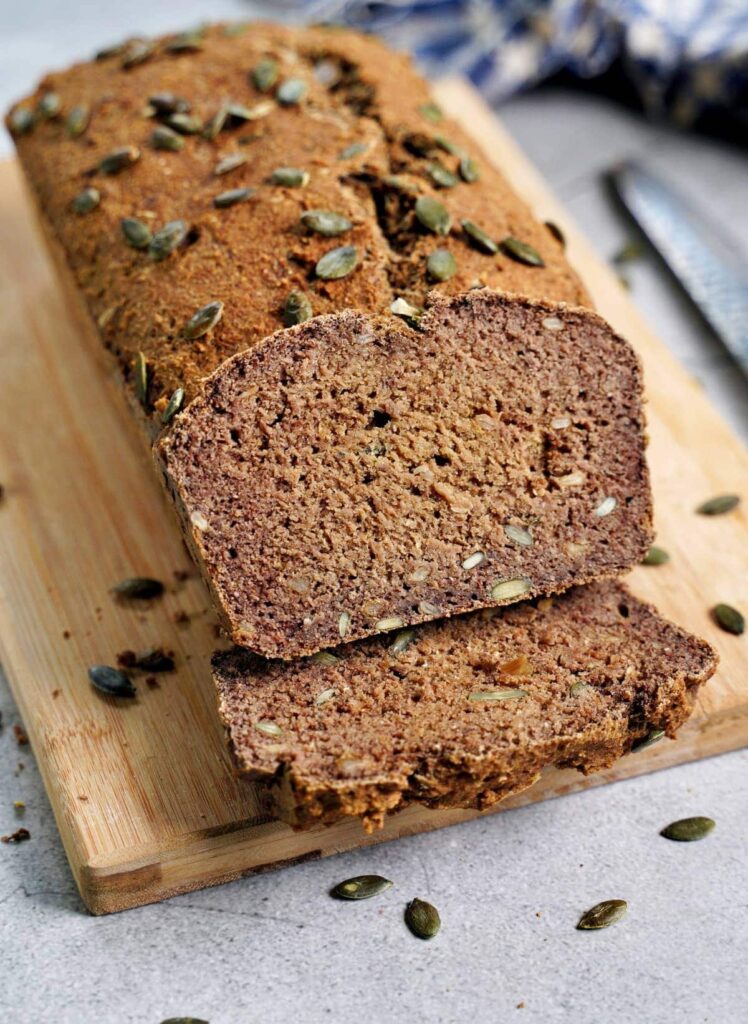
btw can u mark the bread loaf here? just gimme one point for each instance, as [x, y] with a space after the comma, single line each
[354, 475]
[460, 713]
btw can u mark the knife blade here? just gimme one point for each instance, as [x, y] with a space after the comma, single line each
[707, 270]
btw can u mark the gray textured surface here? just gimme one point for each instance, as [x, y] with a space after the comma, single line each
[510, 888]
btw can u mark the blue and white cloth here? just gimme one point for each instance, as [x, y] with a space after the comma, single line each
[685, 58]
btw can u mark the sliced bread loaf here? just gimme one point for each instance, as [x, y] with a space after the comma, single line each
[355, 475]
[460, 713]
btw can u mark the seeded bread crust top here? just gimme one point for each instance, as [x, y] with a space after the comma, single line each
[460, 713]
[366, 132]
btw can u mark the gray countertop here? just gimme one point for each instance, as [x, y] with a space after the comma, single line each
[510, 888]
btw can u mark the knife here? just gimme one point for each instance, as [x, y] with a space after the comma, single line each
[711, 275]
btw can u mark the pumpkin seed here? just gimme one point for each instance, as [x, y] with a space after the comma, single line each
[422, 919]
[268, 728]
[232, 197]
[167, 239]
[239, 112]
[579, 687]
[718, 506]
[481, 696]
[448, 146]
[344, 624]
[441, 176]
[388, 623]
[355, 149]
[265, 74]
[402, 642]
[165, 138]
[469, 169]
[479, 238]
[203, 320]
[431, 112]
[168, 103]
[289, 177]
[119, 159]
[111, 681]
[291, 91]
[137, 234]
[557, 233]
[508, 590]
[519, 535]
[688, 830]
[326, 222]
[86, 200]
[401, 307]
[441, 265]
[654, 736]
[361, 887]
[77, 120]
[141, 378]
[325, 697]
[656, 556]
[137, 51]
[324, 658]
[473, 560]
[602, 915]
[186, 42]
[400, 183]
[109, 51]
[185, 124]
[230, 162]
[337, 263]
[297, 309]
[606, 506]
[521, 252]
[22, 121]
[432, 215]
[175, 404]
[729, 619]
[215, 124]
[49, 105]
[138, 588]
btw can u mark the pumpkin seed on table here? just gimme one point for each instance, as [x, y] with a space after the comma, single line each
[232, 197]
[442, 176]
[137, 234]
[119, 159]
[729, 619]
[469, 169]
[265, 74]
[479, 237]
[290, 177]
[291, 91]
[656, 556]
[326, 222]
[522, 252]
[175, 403]
[337, 263]
[111, 681]
[165, 138]
[77, 120]
[49, 105]
[719, 506]
[441, 265]
[360, 887]
[602, 915]
[138, 588]
[22, 121]
[688, 830]
[422, 919]
[432, 215]
[141, 378]
[203, 320]
[296, 309]
[167, 239]
[86, 200]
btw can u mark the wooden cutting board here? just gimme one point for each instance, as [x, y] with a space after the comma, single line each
[143, 792]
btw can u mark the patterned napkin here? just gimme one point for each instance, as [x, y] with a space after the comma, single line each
[684, 58]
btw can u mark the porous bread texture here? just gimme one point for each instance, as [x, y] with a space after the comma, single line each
[354, 475]
[365, 133]
[378, 726]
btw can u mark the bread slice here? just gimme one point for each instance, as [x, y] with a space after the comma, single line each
[460, 713]
[355, 475]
